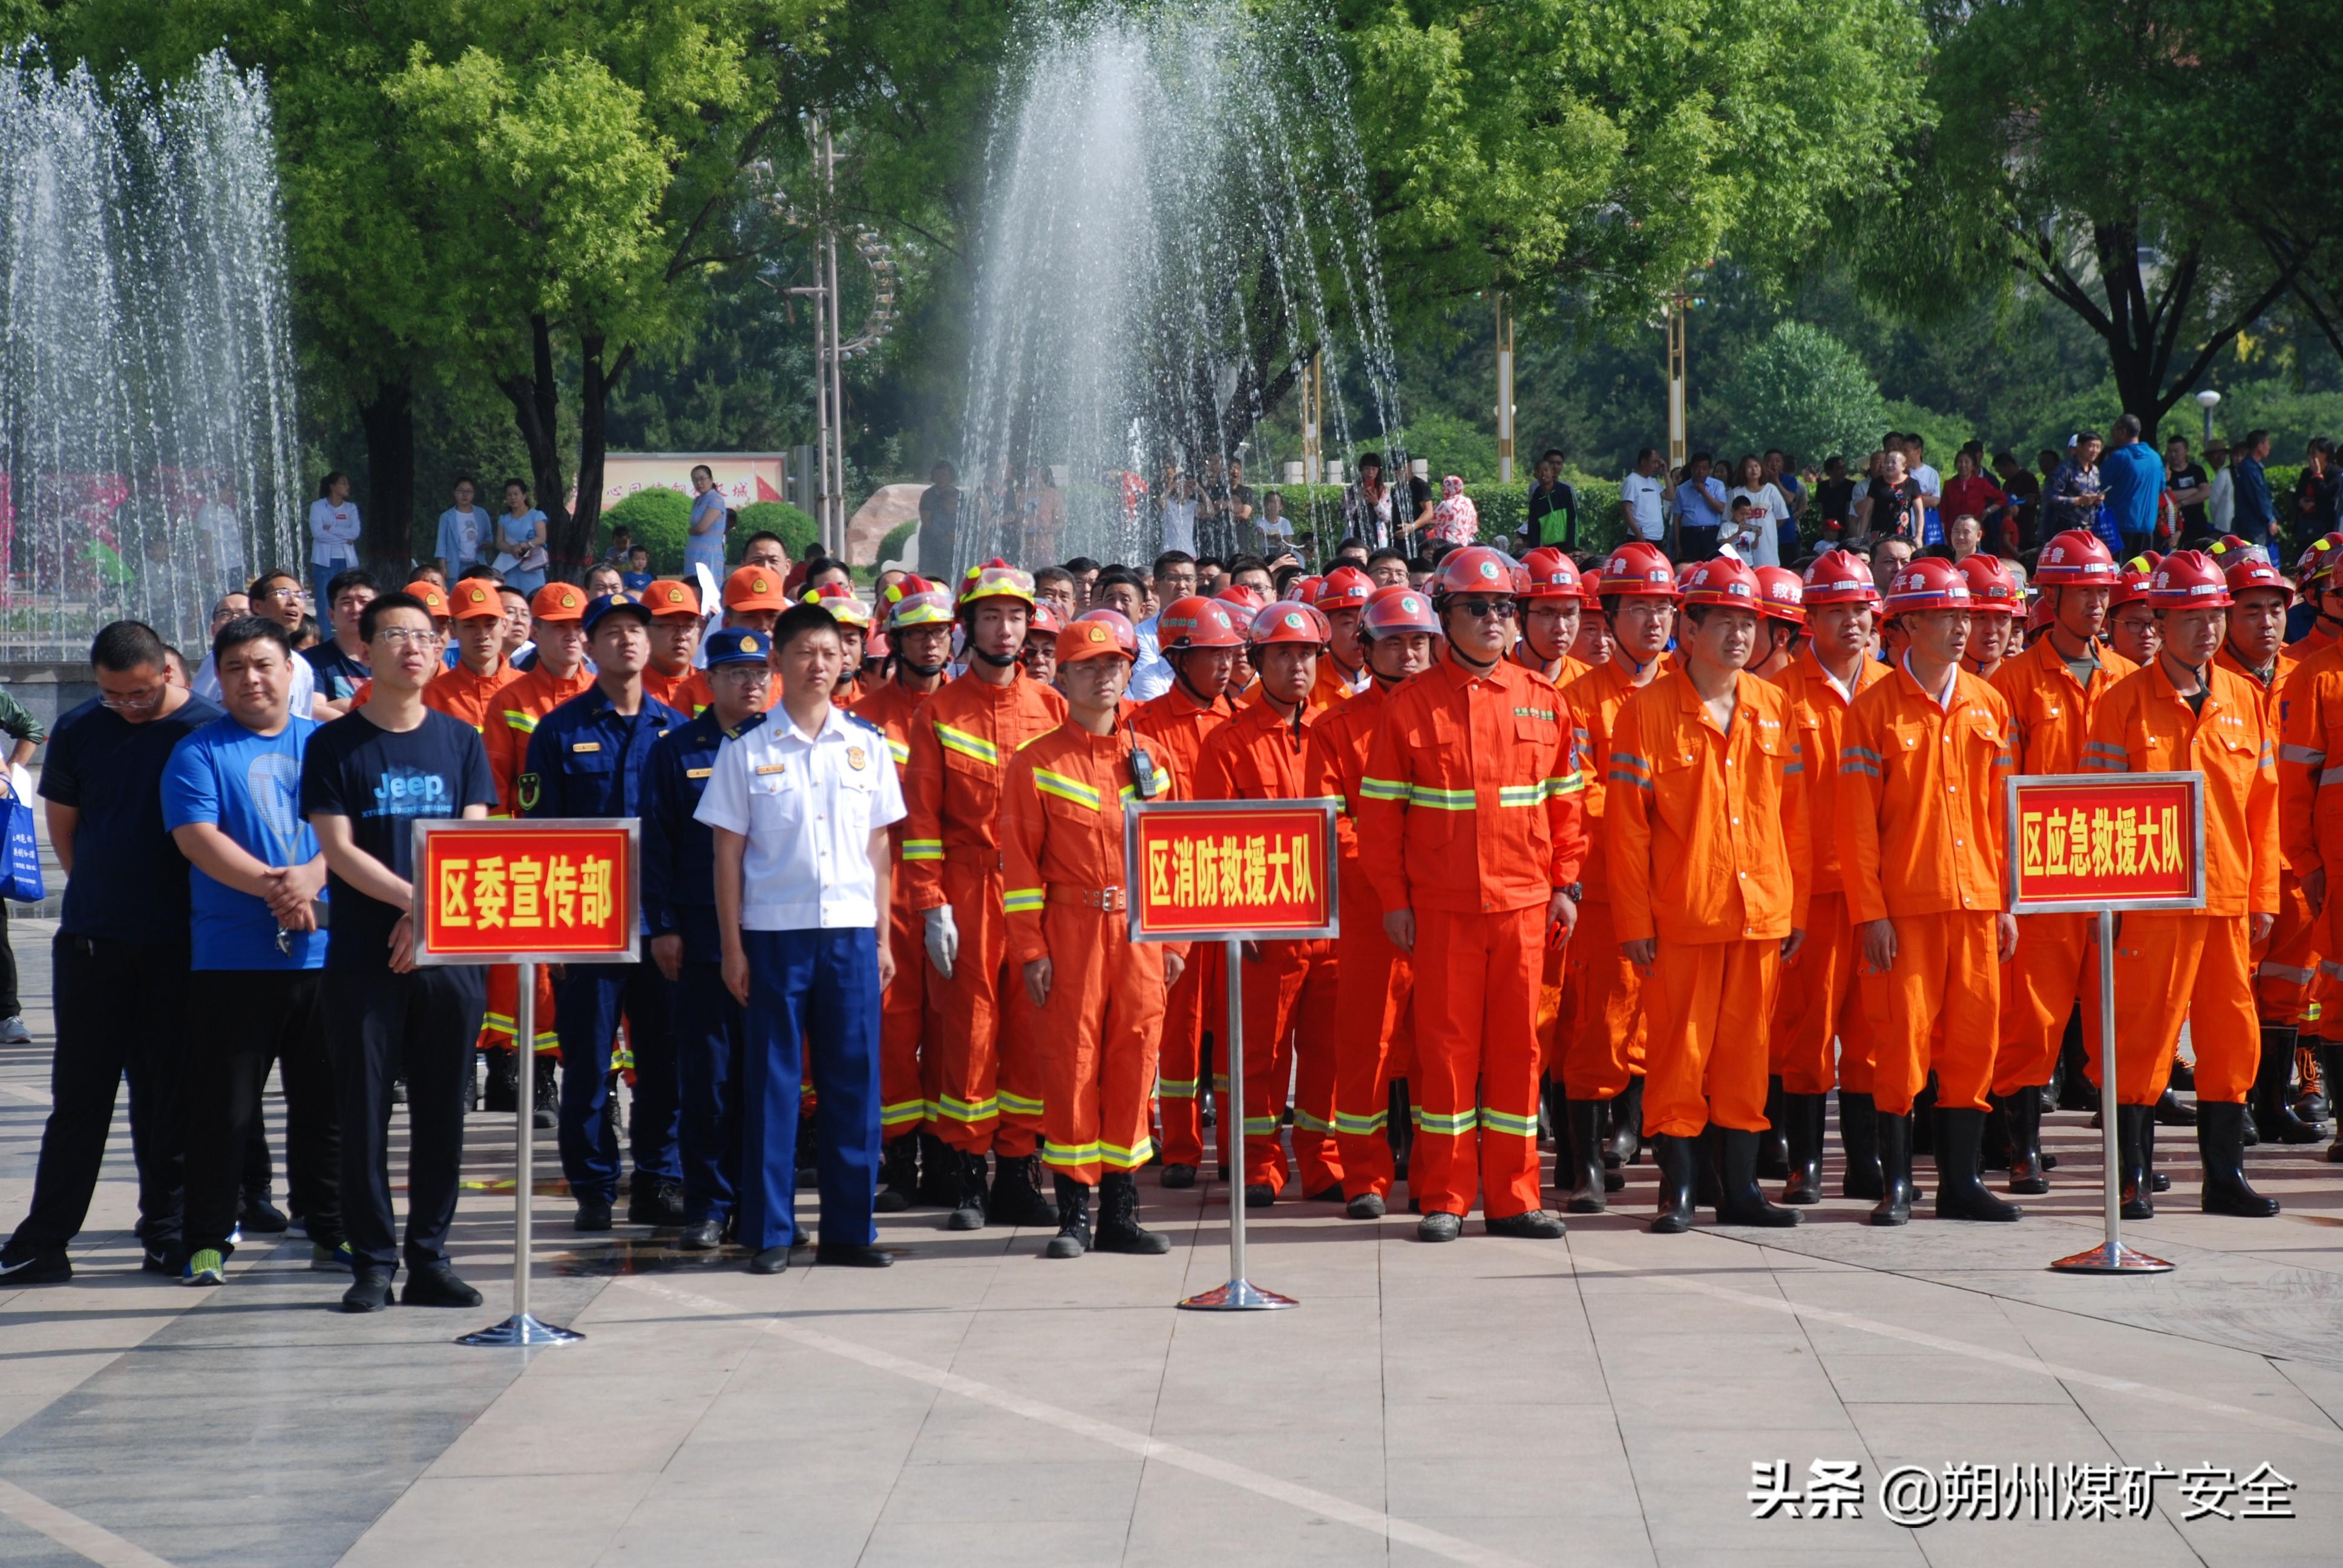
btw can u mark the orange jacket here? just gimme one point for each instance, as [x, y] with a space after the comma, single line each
[1921, 824]
[962, 739]
[1565, 669]
[1174, 727]
[2310, 788]
[1061, 826]
[1332, 686]
[520, 702]
[2051, 709]
[891, 707]
[1595, 699]
[1335, 762]
[461, 694]
[1708, 827]
[1256, 755]
[2269, 698]
[2147, 727]
[687, 693]
[1469, 794]
[1818, 723]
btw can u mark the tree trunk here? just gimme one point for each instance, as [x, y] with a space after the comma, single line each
[573, 540]
[387, 419]
[537, 403]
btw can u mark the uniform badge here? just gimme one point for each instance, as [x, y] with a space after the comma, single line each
[526, 791]
[857, 759]
[765, 769]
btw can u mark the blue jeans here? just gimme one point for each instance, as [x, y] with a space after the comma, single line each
[817, 987]
[320, 605]
[587, 1002]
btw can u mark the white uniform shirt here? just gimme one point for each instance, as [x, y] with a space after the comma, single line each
[807, 804]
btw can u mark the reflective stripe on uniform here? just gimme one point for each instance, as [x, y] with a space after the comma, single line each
[1506, 1122]
[1381, 790]
[950, 1110]
[1065, 788]
[2284, 972]
[1360, 1126]
[902, 1113]
[2302, 754]
[968, 745]
[1020, 901]
[1176, 1088]
[1119, 1159]
[1454, 1126]
[1440, 800]
[1019, 1104]
[923, 849]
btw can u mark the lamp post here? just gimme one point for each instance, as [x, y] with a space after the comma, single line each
[2209, 400]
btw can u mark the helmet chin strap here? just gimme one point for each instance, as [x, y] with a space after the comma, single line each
[994, 659]
[924, 671]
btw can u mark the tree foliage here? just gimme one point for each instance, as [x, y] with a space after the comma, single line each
[1803, 390]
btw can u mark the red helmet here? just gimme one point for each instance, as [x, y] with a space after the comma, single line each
[2043, 611]
[1991, 588]
[1723, 581]
[2251, 573]
[1398, 610]
[1839, 577]
[1291, 620]
[995, 578]
[1195, 622]
[1097, 633]
[1344, 587]
[1475, 569]
[2229, 547]
[2318, 559]
[2076, 556]
[1303, 590]
[1932, 584]
[1637, 569]
[1780, 594]
[1047, 622]
[1244, 601]
[844, 608]
[2131, 583]
[916, 601]
[1552, 575]
[2188, 579]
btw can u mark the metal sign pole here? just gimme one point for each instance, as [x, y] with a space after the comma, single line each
[1240, 1294]
[2111, 1256]
[521, 1328]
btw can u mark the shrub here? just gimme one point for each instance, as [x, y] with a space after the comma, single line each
[658, 518]
[799, 531]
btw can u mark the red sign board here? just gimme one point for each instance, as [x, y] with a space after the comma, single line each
[563, 890]
[2090, 841]
[1223, 869]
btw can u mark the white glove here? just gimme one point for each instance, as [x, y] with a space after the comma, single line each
[943, 939]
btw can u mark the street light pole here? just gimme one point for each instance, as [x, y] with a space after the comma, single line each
[2209, 400]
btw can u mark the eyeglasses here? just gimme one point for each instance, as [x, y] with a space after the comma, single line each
[286, 591]
[407, 636]
[744, 674]
[146, 697]
[1483, 608]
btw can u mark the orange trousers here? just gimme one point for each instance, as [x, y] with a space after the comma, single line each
[1290, 996]
[1372, 1043]
[1199, 1002]
[1817, 1014]
[2285, 964]
[1096, 1035]
[2170, 967]
[1555, 1015]
[2055, 965]
[1707, 1050]
[1858, 1041]
[1476, 992]
[497, 1023]
[1604, 1045]
[1944, 971]
[902, 1022]
[986, 1070]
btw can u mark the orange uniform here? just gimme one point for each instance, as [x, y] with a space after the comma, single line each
[2194, 964]
[2286, 961]
[1174, 726]
[2054, 966]
[1602, 1042]
[1709, 856]
[1555, 1002]
[461, 694]
[686, 693]
[962, 738]
[1472, 797]
[1374, 979]
[902, 1095]
[1818, 1001]
[2310, 809]
[509, 717]
[1920, 843]
[1062, 843]
[1290, 990]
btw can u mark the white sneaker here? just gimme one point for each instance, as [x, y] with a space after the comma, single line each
[14, 1032]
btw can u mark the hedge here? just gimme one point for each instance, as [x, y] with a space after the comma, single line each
[660, 519]
[799, 531]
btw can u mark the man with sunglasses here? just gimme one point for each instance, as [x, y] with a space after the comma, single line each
[121, 955]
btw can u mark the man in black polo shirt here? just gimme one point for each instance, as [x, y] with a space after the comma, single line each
[120, 957]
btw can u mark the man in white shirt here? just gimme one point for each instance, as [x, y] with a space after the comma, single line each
[1641, 500]
[2221, 501]
[1175, 579]
[800, 807]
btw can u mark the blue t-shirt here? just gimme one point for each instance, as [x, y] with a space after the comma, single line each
[636, 582]
[129, 881]
[339, 675]
[383, 781]
[2134, 477]
[249, 786]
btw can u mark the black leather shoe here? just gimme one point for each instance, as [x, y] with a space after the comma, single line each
[1439, 1226]
[593, 1215]
[656, 1204]
[262, 1217]
[899, 1174]
[2274, 1117]
[1177, 1178]
[967, 1199]
[1536, 1225]
[435, 1285]
[1119, 1229]
[705, 1237]
[2171, 1112]
[771, 1260]
[1259, 1195]
[847, 1255]
[1365, 1206]
[1074, 1237]
[370, 1291]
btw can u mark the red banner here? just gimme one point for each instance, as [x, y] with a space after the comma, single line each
[1242, 868]
[502, 892]
[2099, 841]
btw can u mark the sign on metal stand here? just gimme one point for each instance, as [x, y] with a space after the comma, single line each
[2103, 844]
[1232, 872]
[565, 890]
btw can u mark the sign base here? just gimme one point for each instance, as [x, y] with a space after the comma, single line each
[2112, 1259]
[521, 1329]
[1237, 1296]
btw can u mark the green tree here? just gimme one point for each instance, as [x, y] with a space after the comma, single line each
[1803, 390]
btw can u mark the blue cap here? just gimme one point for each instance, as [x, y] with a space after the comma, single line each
[597, 609]
[737, 645]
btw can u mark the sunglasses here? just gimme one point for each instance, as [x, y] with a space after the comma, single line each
[1483, 608]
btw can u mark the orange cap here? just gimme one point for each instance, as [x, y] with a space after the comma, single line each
[433, 598]
[755, 588]
[558, 602]
[476, 600]
[669, 595]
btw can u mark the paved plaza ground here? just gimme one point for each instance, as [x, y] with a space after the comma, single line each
[1605, 1400]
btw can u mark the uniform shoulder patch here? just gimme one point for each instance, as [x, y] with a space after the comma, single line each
[856, 718]
[527, 791]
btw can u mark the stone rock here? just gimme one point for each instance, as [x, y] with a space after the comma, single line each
[888, 508]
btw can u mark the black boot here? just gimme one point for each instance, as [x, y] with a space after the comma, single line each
[1626, 1126]
[504, 1083]
[2171, 1112]
[2273, 1118]
[1858, 1133]
[1960, 1137]
[1994, 1153]
[1119, 1229]
[938, 1173]
[1017, 1193]
[1402, 1129]
[2330, 1073]
[967, 1198]
[2022, 1113]
[1074, 1237]
[1707, 1189]
[1740, 1200]
[899, 1174]
[1924, 1118]
[1676, 1157]
[2221, 1144]
[1804, 1113]
[1774, 1143]
[1895, 1136]
[548, 1112]
[2135, 1125]
[2075, 1090]
[2312, 1104]
[1582, 1133]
